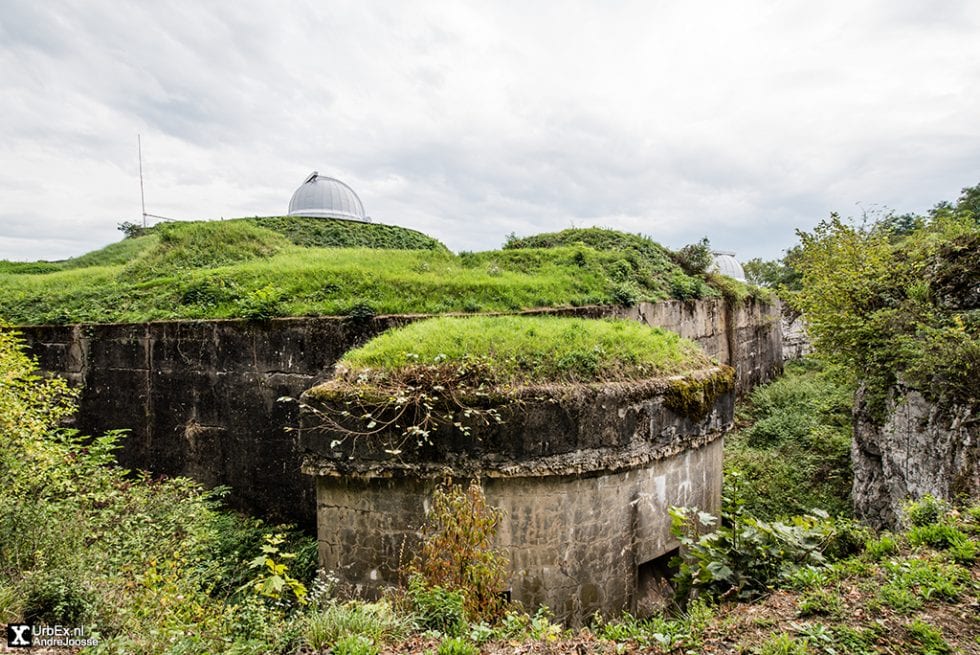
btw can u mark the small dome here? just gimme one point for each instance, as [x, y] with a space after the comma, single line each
[726, 264]
[326, 197]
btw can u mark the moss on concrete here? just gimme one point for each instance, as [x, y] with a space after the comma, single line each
[694, 396]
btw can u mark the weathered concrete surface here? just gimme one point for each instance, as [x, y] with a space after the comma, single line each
[199, 398]
[919, 449]
[583, 474]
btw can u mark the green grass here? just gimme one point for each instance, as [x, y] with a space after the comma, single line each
[795, 452]
[251, 269]
[539, 349]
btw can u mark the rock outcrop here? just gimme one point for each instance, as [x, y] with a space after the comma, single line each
[920, 448]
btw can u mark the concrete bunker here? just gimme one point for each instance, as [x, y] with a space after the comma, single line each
[582, 455]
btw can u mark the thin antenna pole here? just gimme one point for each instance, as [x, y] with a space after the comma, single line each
[139, 150]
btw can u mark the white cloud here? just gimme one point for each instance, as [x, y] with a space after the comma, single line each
[739, 121]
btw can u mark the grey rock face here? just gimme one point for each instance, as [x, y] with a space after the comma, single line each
[919, 449]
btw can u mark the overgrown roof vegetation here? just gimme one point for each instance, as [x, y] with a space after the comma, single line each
[260, 268]
[527, 349]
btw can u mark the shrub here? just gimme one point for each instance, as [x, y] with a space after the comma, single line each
[355, 645]
[695, 258]
[458, 552]
[456, 646]
[743, 556]
[925, 511]
[378, 622]
[437, 608]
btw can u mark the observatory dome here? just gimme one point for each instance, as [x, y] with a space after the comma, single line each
[326, 197]
[726, 264]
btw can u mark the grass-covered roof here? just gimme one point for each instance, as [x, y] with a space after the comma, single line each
[260, 268]
[509, 350]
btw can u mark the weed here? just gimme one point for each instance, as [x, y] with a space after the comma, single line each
[783, 644]
[930, 639]
[456, 646]
[273, 579]
[457, 550]
[927, 510]
[821, 602]
[437, 608]
[883, 546]
[378, 622]
[899, 599]
[355, 644]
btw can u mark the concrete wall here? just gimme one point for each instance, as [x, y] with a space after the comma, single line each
[200, 397]
[575, 543]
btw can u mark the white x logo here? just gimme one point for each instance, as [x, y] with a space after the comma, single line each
[19, 639]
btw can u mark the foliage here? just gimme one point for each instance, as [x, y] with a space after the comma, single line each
[742, 556]
[528, 349]
[456, 646]
[792, 452]
[695, 258]
[930, 639]
[437, 608]
[458, 552]
[669, 634]
[355, 645]
[131, 230]
[215, 269]
[332, 622]
[155, 564]
[273, 579]
[781, 274]
[896, 308]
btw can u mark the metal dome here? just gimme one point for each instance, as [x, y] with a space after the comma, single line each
[326, 197]
[726, 264]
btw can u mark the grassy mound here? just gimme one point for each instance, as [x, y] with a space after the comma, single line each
[252, 268]
[522, 349]
[185, 246]
[311, 232]
[642, 258]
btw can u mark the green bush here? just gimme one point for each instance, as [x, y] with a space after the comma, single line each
[155, 564]
[355, 645]
[927, 510]
[794, 455]
[437, 608]
[458, 552]
[456, 646]
[743, 556]
[378, 622]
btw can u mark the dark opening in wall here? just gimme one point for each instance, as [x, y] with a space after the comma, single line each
[654, 592]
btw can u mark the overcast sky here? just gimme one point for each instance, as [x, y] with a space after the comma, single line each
[739, 121]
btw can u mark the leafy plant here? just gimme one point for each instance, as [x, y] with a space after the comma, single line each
[456, 646]
[437, 608]
[355, 645]
[272, 572]
[742, 556]
[458, 551]
[930, 638]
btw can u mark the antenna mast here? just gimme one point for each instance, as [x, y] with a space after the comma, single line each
[139, 150]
